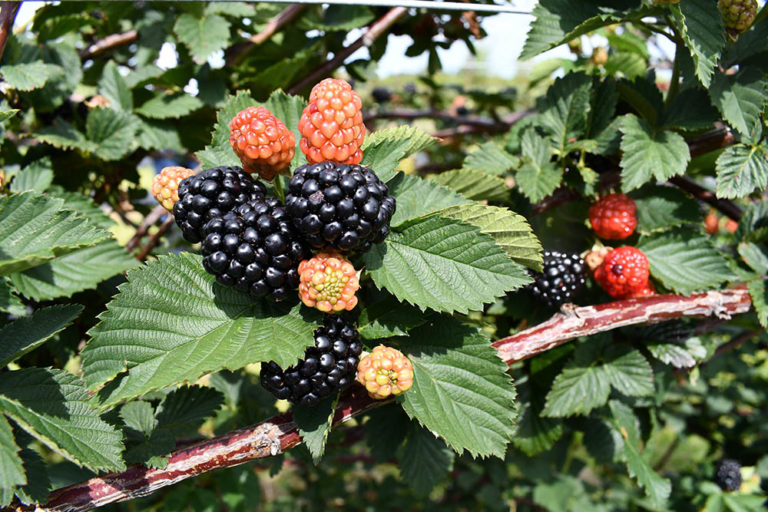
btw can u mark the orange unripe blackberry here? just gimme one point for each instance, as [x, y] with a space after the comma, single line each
[331, 125]
[328, 282]
[384, 372]
[263, 143]
[165, 186]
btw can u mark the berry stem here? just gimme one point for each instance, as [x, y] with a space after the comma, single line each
[279, 191]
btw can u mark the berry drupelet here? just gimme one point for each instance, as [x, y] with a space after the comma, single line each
[385, 372]
[345, 207]
[211, 194]
[328, 367]
[738, 15]
[328, 282]
[728, 475]
[562, 278]
[255, 249]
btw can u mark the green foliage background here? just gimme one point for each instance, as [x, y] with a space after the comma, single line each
[109, 361]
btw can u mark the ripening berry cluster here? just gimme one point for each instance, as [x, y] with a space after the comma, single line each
[623, 272]
[264, 247]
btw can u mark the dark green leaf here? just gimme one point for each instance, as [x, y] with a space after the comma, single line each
[490, 158]
[112, 133]
[383, 150]
[565, 108]
[443, 264]
[650, 154]
[461, 390]
[475, 185]
[314, 425]
[538, 177]
[183, 409]
[741, 170]
[660, 208]
[113, 87]
[28, 76]
[759, 294]
[685, 261]
[202, 36]
[169, 106]
[35, 177]
[26, 334]
[628, 371]
[385, 317]
[425, 461]
[11, 469]
[417, 197]
[741, 98]
[188, 326]
[701, 26]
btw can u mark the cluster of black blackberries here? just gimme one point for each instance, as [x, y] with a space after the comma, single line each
[327, 368]
[255, 249]
[562, 278]
[211, 194]
[256, 244]
[345, 207]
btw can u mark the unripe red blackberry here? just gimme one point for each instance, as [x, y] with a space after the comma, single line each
[327, 368]
[738, 15]
[331, 125]
[328, 282]
[385, 372]
[211, 194]
[613, 217]
[165, 186]
[262, 142]
[624, 272]
[345, 207]
[562, 278]
[255, 249]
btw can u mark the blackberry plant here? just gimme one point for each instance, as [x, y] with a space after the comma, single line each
[229, 240]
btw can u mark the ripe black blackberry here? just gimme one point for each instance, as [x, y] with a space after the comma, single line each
[210, 194]
[328, 367]
[561, 280]
[255, 249]
[728, 475]
[381, 95]
[345, 207]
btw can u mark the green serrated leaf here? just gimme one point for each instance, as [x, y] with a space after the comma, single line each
[626, 64]
[740, 98]
[759, 294]
[685, 261]
[385, 431]
[534, 433]
[755, 256]
[183, 409]
[189, 326]
[660, 208]
[63, 135]
[35, 177]
[113, 87]
[202, 36]
[145, 443]
[169, 106]
[54, 407]
[35, 228]
[112, 132]
[579, 388]
[425, 460]
[154, 134]
[475, 185]
[649, 154]
[314, 425]
[490, 158]
[28, 76]
[26, 334]
[703, 31]
[38, 482]
[417, 197]
[678, 354]
[9, 301]
[558, 21]
[11, 469]
[8, 114]
[461, 390]
[741, 170]
[657, 488]
[337, 17]
[565, 108]
[538, 177]
[628, 371]
[383, 150]
[692, 110]
[443, 264]
[139, 416]
[385, 317]
[510, 230]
